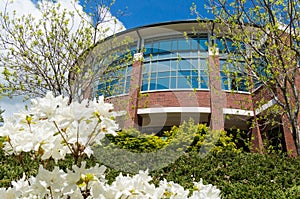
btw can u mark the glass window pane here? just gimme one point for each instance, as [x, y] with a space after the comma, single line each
[194, 54]
[163, 66]
[203, 44]
[128, 79]
[195, 82]
[148, 49]
[163, 74]
[194, 73]
[225, 81]
[145, 76]
[184, 64]
[133, 50]
[174, 65]
[153, 84]
[204, 81]
[194, 63]
[165, 46]
[153, 66]
[229, 45]
[203, 64]
[173, 73]
[164, 56]
[220, 45]
[153, 75]
[174, 45]
[183, 83]
[173, 82]
[183, 44]
[184, 54]
[145, 85]
[101, 89]
[184, 73]
[129, 69]
[243, 86]
[163, 83]
[194, 44]
[155, 47]
[146, 68]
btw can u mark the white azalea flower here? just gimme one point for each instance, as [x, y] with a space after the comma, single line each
[102, 108]
[47, 107]
[205, 191]
[51, 127]
[9, 193]
[174, 190]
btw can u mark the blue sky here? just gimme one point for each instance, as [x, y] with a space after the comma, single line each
[146, 12]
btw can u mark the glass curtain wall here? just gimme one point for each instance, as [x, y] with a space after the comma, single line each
[175, 63]
[116, 80]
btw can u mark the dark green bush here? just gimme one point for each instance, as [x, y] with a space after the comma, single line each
[244, 175]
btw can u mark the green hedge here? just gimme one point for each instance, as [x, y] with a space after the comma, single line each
[244, 175]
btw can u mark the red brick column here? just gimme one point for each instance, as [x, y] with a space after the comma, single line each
[135, 84]
[217, 96]
[288, 137]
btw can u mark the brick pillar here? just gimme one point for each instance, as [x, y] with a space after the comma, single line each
[288, 137]
[135, 84]
[217, 96]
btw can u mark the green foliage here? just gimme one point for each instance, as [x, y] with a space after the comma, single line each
[187, 137]
[238, 175]
[133, 140]
[203, 138]
[12, 167]
[243, 175]
[132, 151]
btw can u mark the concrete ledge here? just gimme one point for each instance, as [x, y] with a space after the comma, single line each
[174, 110]
[229, 111]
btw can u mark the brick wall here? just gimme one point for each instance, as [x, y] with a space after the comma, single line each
[239, 101]
[174, 99]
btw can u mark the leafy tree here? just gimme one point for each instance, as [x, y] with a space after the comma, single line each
[43, 54]
[264, 35]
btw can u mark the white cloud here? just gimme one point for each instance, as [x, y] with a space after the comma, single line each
[20, 6]
[110, 22]
[25, 7]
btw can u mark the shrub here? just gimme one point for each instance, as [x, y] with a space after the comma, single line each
[186, 137]
[133, 140]
[243, 175]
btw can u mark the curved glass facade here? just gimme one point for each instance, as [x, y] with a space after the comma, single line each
[115, 83]
[175, 63]
[231, 78]
[116, 80]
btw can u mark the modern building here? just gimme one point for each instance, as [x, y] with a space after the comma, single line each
[175, 76]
